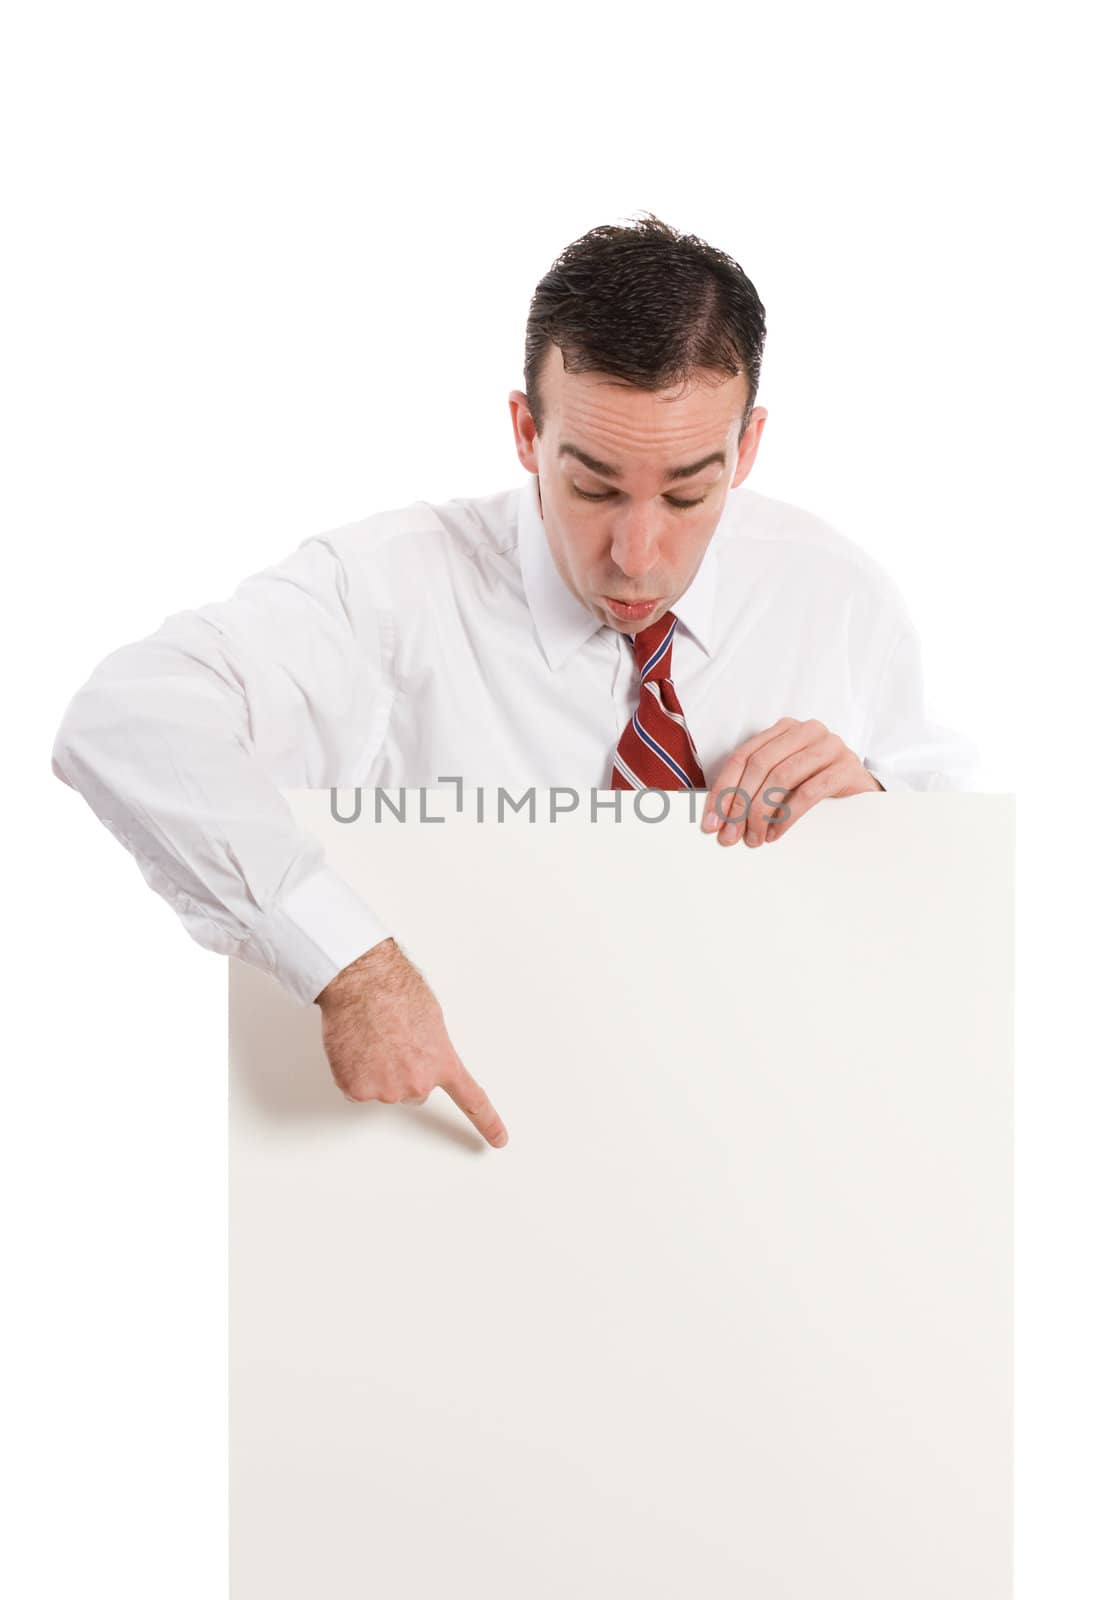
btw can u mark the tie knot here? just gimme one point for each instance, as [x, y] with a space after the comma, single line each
[653, 648]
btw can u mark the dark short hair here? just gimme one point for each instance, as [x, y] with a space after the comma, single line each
[648, 304]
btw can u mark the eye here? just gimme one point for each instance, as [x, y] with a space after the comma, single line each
[681, 505]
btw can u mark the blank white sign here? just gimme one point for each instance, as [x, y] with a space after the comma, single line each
[730, 1315]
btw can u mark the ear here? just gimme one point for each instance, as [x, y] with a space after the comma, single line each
[748, 444]
[525, 433]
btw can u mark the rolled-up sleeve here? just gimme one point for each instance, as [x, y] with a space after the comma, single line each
[182, 742]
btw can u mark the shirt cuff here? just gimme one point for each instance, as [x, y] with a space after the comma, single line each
[889, 780]
[920, 783]
[315, 931]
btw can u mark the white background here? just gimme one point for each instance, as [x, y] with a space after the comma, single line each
[267, 271]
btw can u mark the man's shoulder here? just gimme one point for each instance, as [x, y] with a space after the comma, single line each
[805, 537]
[465, 526]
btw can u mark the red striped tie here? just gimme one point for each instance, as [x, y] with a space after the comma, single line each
[656, 750]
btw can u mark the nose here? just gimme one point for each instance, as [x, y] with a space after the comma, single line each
[634, 541]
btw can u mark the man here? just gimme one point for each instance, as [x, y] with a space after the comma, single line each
[628, 617]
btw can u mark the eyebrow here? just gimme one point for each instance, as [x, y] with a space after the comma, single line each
[717, 458]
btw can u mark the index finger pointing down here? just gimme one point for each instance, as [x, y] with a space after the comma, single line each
[459, 1084]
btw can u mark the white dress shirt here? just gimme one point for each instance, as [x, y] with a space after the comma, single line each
[440, 641]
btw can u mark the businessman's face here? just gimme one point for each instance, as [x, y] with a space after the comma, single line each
[633, 484]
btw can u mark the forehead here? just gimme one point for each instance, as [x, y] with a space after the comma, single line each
[618, 423]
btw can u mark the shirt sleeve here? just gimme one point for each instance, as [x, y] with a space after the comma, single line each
[182, 742]
[905, 747]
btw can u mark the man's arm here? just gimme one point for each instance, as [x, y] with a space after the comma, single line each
[905, 748]
[181, 742]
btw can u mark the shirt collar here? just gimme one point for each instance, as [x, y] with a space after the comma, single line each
[563, 623]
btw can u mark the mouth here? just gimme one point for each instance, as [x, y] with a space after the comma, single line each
[629, 612]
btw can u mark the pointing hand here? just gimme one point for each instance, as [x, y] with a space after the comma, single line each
[384, 1034]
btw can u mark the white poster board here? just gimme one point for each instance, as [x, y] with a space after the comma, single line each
[730, 1315]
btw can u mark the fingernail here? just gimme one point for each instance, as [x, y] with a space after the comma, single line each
[730, 832]
[711, 822]
[499, 1140]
